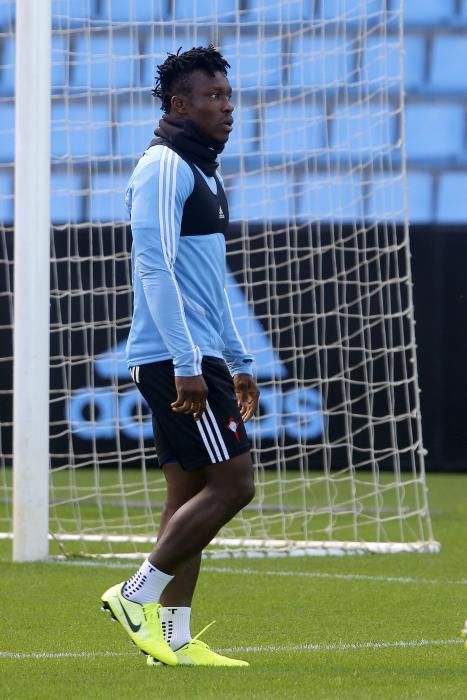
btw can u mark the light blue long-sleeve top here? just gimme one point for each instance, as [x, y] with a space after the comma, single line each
[180, 309]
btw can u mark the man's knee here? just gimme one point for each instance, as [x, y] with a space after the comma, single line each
[246, 490]
[234, 481]
[235, 496]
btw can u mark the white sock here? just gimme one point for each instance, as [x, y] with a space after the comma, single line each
[175, 624]
[146, 585]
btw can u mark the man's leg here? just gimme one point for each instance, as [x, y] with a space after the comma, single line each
[177, 597]
[181, 487]
[217, 493]
[229, 488]
[186, 531]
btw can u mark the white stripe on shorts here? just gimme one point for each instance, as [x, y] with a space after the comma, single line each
[209, 430]
[214, 446]
[206, 441]
[222, 444]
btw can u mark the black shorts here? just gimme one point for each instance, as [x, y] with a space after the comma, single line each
[220, 433]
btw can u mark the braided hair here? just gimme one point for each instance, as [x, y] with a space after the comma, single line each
[173, 76]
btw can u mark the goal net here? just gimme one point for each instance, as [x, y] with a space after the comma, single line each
[319, 272]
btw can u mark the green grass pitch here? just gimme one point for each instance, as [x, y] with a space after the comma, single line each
[384, 626]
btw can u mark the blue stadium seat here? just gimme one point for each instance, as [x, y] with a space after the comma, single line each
[135, 128]
[80, 129]
[420, 197]
[7, 16]
[326, 198]
[243, 140]
[7, 66]
[431, 12]
[66, 197]
[104, 61]
[7, 132]
[8, 59]
[351, 10]
[321, 62]
[66, 13]
[107, 200]
[6, 196]
[448, 59]
[209, 11]
[387, 200]
[366, 129]
[267, 197]
[159, 45]
[293, 10]
[135, 11]
[382, 67]
[434, 130]
[254, 63]
[452, 202]
[463, 10]
[292, 130]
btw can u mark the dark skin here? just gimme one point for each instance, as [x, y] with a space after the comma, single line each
[200, 503]
[192, 393]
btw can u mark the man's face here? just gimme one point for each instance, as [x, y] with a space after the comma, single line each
[208, 105]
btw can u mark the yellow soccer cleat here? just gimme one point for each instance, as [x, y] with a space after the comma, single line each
[197, 653]
[141, 622]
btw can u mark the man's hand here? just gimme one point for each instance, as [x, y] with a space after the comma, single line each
[191, 395]
[247, 395]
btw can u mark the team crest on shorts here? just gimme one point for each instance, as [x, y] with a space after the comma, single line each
[233, 425]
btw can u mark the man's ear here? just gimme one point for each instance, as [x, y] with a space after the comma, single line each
[178, 105]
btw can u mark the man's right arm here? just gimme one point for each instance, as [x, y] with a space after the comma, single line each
[159, 191]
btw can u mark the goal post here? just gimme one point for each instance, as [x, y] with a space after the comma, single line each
[31, 461]
[319, 276]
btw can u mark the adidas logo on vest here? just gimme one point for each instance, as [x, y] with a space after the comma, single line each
[221, 213]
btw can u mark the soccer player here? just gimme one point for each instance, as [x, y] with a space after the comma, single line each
[185, 354]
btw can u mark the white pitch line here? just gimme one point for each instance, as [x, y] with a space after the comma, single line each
[294, 574]
[346, 577]
[341, 646]
[60, 654]
[338, 646]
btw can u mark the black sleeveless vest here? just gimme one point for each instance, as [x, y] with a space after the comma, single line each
[204, 212]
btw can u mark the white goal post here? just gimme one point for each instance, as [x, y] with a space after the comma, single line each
[319, 274]
[32, 288]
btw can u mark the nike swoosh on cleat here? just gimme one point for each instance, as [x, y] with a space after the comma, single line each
[133, 627]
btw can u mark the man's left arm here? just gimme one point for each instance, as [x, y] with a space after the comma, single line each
[240, 364]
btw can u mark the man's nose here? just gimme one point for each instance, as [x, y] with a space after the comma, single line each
[228, 106]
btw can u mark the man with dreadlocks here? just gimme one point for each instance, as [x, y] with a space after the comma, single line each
[185, 354]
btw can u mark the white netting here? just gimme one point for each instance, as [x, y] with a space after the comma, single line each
[318, 256]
